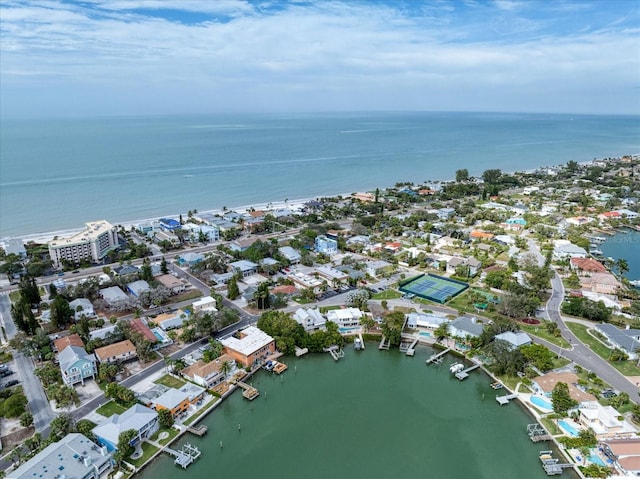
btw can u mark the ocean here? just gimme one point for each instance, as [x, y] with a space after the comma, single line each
[59, 174]
[625, 245]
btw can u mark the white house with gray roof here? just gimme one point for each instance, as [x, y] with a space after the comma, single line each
[245, 267]
[140, 418]
[290, 254]
[310, 319]
[138, 287]
[73, 456]
[82, 307]
[465, 327]
[114, 296]
[515, 340]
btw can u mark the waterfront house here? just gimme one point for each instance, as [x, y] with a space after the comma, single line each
[15, 246]
[325, 245]
[76, 365]
[249, 346]
[346, 317]
[605, 421]
[424, 321]
[140, 418]
[139, 287]
[82, 307]
[173, 284]
[72, 340]
[465, 327]
[627, 340]
[310, 319]
[174, 401]
[625, 454]
[602, 283]
[169, 224]
[73, 456]
[116, 352]
[209, 375]
[195, 394]
[290, 254]
[544, 385]
[586, 266]
[564, 249]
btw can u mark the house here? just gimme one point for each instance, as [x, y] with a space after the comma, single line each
[15, 246]
[173, 284]
[625, 453]
[465, 327]
[204, 304]
[603, 283]
[424, 321]
[305, 281]
[310, 319]
[249, 346]
[564, 249]
[141, 327]
[173, 400]
[138, 417]
[479, 235]
[201, 233]
[209, 375]
[290, 254]
[473, 264]
[82, 307]
[332, 275]
[242, 244]
[345, 318]
[605, 421]
[445, 213]
[114, 297]
[190, 259]
[169, 224]
[515, 340]
[245, 267]
[116, 352]
[326, 245]
[76, 365]
[375, 268]
[222, 278]
[627, 340]
[195, 394]
[364, 197]
[285, 289]
[629, 214]
[72, 456]
[138, 287]
[173, 320]
[585, 266]
[544, 385]
[359, 240]
[72, 340]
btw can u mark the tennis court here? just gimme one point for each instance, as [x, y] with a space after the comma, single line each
[434, 288]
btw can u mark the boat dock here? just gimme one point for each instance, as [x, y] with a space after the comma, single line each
[384, 343]
[361, 341]
[249, 392]
[537, 433]
[551, 465]
[301, 351]
[198, 431]
[465, 374]
[335, 352]
[502, 400]
[279, 367]
[358, 342]
[437, 357]
[185, 456]
[411, 350]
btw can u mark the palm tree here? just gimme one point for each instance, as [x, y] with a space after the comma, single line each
[226, 367]
[623, 266]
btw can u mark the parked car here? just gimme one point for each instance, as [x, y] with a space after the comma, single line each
[11, 383]
[5, 372]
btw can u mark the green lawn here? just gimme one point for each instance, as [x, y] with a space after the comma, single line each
[148, 450]
[550, 426]
[626, 368]
[541, 331]
[170, 381]
[172, 433]
[387, 294]
[110, 408]
[204, 409]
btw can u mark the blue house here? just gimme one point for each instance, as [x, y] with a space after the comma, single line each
[169, 224]
[76, 365]
[138, 417]
[325, 245]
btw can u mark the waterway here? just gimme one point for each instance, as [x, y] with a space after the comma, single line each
[374, 414]
[624, 245]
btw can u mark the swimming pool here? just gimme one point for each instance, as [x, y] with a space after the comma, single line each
[568, 428]
[594, 459]
[425, 334]
[541, 403]
[349, 330]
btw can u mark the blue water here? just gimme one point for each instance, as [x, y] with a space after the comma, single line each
[627, 246]
[57, 174]
[348, 330]
[596, 460]
[538, 401]
[424, 333]
[568, 428]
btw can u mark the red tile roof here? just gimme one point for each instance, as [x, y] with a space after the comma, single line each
[140, 327]
[588, 264]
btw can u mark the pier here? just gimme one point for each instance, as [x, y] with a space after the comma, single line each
[249, 392]
[301, 351]
[185, 456]
[411, 350]
[551, 465]
[537, 433]
[502, 400]
[437, 357]
[198, 431]
[279, 368]
[384, 343]
[361, 341]
[335, 352]
[465, 374]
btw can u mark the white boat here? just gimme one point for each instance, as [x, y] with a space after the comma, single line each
[456, 368]
[357, 344]
[635, 282]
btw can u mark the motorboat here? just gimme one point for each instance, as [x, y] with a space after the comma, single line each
[456, 368]
[357, 344]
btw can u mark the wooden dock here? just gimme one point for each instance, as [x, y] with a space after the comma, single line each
[198, 431]
[279, 368]
[249, 392]
[336, 353]
[384, 343]
[185, 456]
[435, 358]
[465, 374]
[502, 400]
[411, 350]
[551, 465]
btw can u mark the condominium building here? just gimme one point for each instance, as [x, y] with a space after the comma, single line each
[93, 244]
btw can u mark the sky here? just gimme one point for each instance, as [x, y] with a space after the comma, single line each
[149, 57]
